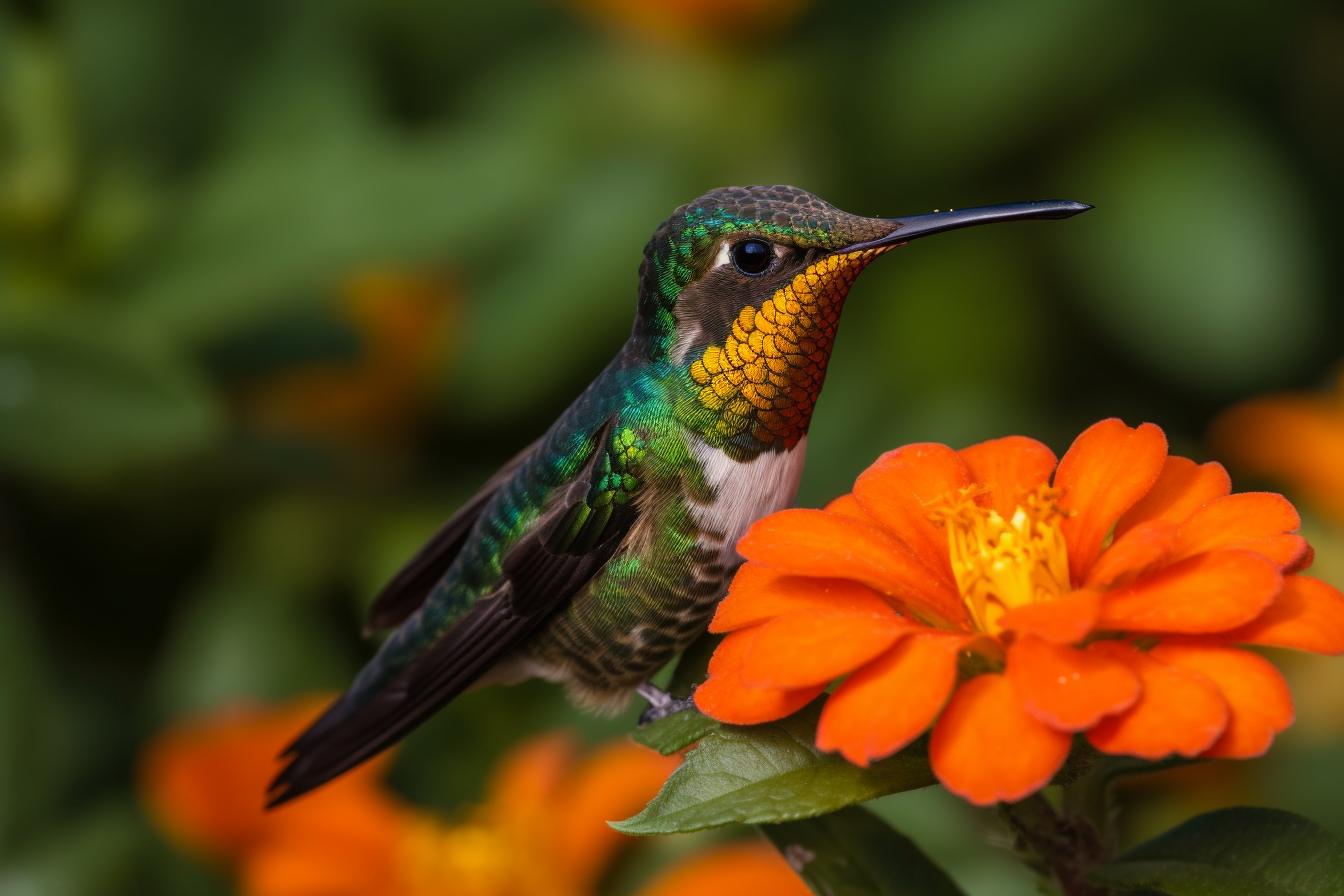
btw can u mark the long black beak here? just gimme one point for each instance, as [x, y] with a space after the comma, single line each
[913, 227]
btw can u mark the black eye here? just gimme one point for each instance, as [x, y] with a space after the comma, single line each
[753, 257]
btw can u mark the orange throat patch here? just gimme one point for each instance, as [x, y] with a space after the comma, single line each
[766, 376]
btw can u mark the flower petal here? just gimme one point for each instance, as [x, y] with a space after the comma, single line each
[848, 505]
[530, 773]
[1009, 467]
[817, 543]
[543, 779]
[1308, 614]
[888, 703]
[1130, 555]
[1064, 621]
[1258, 698]
[614, 781]
[731, 870]
[1108, 468]
[897, 488]
[1179, 711]
[355, 857]
[1292, 438]
[805, 649]
[1303, 562]
[1205, 593]
[204, 780]
[759, 593]
[1066, 688]
[724, 695]
[1251, 521]
[1182, 487]
[986, 747]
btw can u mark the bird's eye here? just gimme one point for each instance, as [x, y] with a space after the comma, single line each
[753, 257]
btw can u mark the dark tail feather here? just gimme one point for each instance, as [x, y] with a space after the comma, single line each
[349, 733]
[536, 581]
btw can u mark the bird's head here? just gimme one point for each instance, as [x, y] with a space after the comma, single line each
[742, 290]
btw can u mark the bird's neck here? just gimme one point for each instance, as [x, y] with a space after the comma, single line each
[756, 390]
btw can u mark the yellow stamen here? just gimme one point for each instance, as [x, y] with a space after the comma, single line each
[476, 858]
[1004, 564]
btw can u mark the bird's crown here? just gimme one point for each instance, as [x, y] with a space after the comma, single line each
[755, 237]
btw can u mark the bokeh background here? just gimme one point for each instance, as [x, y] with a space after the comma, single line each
[282, 282]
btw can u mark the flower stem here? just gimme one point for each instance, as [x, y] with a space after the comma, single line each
[1067, 844]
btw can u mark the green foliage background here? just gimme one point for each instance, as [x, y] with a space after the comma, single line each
[185, 184]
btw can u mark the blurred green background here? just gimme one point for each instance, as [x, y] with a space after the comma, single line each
[282, 282]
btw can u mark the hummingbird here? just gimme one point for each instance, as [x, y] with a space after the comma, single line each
[599, 552]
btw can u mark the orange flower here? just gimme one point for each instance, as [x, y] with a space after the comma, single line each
[734, 870]
[1297, 439]
[697, 21]
[379, 394]
[970, 591]
[541, 830]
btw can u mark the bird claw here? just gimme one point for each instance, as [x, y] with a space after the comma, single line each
[662, 704]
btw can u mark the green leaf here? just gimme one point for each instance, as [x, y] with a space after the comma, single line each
[309, 167]
[1243, 851]
[1253, 294]
[101, 851]
[1008, 58]
[675, 732]
[239, 634]
[770, 773]
[33, 758]
[77, 400]
[852, 852]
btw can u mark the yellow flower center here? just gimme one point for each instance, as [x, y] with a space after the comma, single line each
[1004, 564]
[477, 858]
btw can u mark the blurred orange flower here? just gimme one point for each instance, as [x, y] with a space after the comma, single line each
[693, 21]
[541, 830]
[1295, 438]
[401, 319]
[970, 591]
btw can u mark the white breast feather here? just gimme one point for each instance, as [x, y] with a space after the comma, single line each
[745, 492]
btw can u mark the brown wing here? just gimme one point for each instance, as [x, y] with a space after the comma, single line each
[407, 590]
[545, 569]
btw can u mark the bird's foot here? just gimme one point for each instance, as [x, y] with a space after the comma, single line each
[661, 703]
